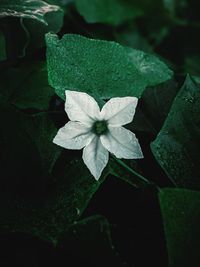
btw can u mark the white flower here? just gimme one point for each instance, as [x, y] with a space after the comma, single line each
[99, 131]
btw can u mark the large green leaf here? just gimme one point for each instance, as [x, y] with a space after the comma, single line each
[154, 107]
[101, 68]
[181, 217]
[26, 86]
[26, 143]
[176, 147]
[129, 35]
[53, 199]
[50, 214]
[31, 9]
[113, 12]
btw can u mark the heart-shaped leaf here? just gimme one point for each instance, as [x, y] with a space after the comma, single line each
[101, 68]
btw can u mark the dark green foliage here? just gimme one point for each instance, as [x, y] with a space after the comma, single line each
[181, 216]
[177, 145]
[26, 86]
[48, 198]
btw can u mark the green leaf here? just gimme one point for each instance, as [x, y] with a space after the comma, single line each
[18, 154]
[181, 217]
[113, 12]
[176, 147]
[192, 64]
[129, 35]
[26, 86]
[26, 143]
[31, 9]
[50, 214]
[116, 12]
[42, 131]
[24, 36]
[38, 30]
[53, 199]
[101, 68]
[154, 107]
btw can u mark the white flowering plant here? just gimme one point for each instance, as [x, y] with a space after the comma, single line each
[99, 132]
[99, 140]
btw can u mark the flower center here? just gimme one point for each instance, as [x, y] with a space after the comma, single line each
[100, 127]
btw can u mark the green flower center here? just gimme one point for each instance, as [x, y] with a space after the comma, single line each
[100, 127]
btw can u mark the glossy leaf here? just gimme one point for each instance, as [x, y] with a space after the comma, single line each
[176, 147]
[100, 68]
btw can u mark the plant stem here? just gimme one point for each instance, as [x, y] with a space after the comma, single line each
[120, 162]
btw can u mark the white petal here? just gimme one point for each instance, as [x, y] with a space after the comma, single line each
[95, 157]
[119, 111]
[81, 107]
[122, 143]
[73, 135]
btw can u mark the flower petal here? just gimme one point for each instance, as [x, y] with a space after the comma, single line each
[119, 111]
[81, 107]
[73, 135]
[95, 157]
[122, 143]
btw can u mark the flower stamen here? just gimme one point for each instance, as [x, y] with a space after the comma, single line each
[100, 127]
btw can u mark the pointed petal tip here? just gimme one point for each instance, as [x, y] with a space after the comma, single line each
[57, 141]
[54, 139]
[95, 157]
[96, 177]
[94, 174]
[122, 143]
